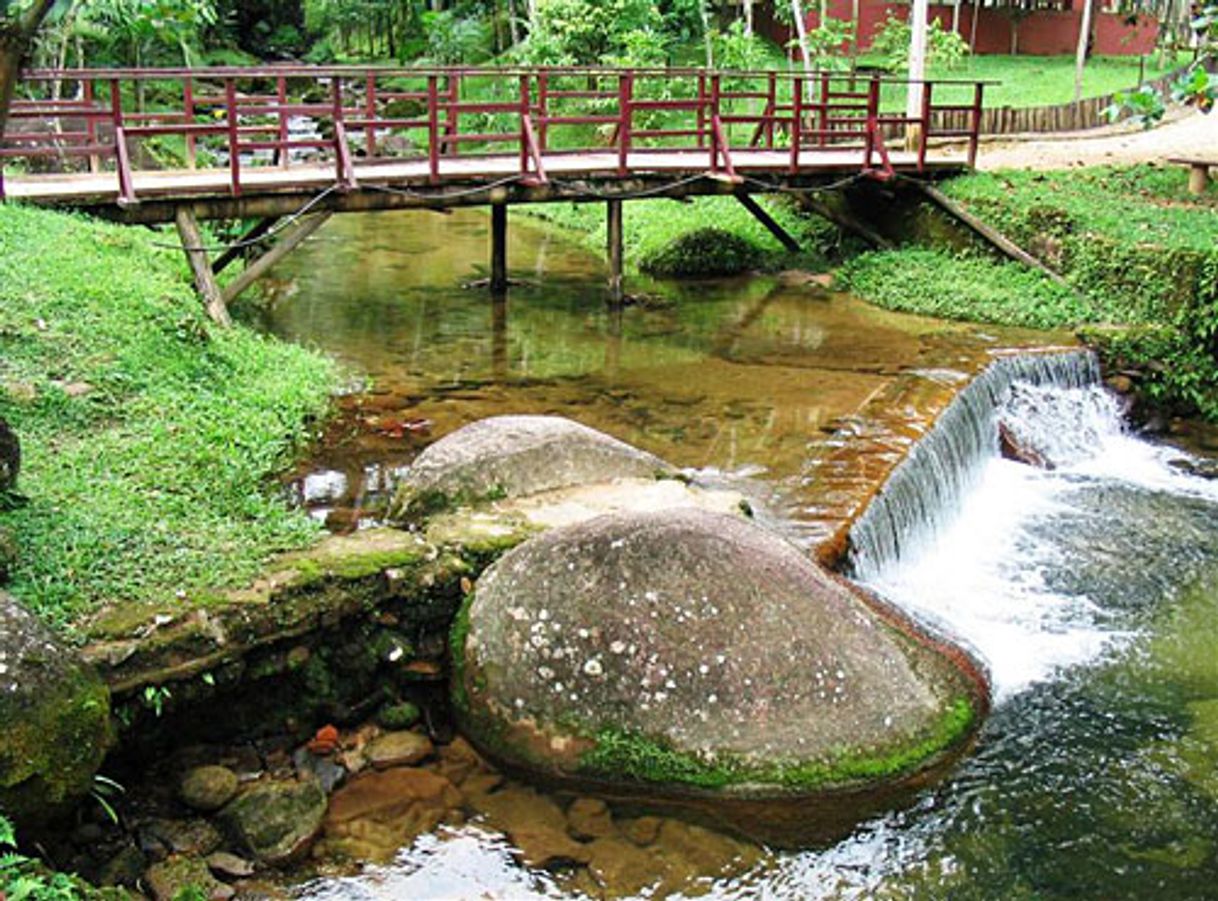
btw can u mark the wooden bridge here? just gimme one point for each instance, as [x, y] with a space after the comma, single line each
[300, 142]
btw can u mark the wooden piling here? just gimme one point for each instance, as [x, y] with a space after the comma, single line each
[200, 265]
[499, 277]
[613, 230]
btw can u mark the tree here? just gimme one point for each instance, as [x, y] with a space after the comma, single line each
[18, 24]
[1195, 86]
[1084, 43]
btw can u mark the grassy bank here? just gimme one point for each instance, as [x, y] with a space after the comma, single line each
[149, 436]
[1138, 251]
[665, 237]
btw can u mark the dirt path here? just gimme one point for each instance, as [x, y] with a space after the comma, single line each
[1188, 134]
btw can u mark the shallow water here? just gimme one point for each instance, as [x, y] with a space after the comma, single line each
[731, 375]
[1091, 591]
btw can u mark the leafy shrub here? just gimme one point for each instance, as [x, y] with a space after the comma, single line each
[704, 252]
[891, 44]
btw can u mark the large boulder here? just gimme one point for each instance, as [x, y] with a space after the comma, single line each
[693, 653]
[515, 456]
[55, 712]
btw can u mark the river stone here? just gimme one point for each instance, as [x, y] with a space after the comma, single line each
[179, 876]
[55, 712]
[699, 654]
[515, 456]
[277, 821]
[398, 749]
[208, 788]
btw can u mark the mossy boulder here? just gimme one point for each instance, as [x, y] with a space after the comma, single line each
[515, 456]
[694, 653]
[703, 253]
[56, 715]
[277, 822]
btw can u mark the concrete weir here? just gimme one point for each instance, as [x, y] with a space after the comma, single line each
[328, 628]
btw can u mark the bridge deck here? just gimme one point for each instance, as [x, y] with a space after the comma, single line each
[98, 189]
[448, 137]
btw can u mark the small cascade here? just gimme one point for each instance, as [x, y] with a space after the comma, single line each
[931, 482]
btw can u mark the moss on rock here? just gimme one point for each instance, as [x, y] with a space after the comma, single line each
[56, 716]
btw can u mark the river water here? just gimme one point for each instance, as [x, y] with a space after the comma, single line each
[1089, 590]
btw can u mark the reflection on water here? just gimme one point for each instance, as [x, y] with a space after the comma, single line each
[1091, 590]
[732, 374]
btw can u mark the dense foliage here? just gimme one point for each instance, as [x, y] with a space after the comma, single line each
[149, 436]
[668, 238]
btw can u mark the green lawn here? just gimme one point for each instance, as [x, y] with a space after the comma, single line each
[150, 437]
[1037, 80]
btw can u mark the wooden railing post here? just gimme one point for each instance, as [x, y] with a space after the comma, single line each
[975, 128]
[281, 95]
[525, 96]
[370, 113]
[234, 152]
[924, 125]
[126, 189]
[797, 122]
[344, 169]
[873, 113]
[433, 129]
[625, 91]
[701, 109]
[91, 127]
[771, 108]
[714, 117]
[452, 121]
[543, 97]
[824, 109]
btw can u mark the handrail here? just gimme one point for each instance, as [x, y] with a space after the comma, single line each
[305, 70]
[369, 111]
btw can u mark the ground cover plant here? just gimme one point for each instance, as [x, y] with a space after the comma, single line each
[149, 436]
[1138, 252]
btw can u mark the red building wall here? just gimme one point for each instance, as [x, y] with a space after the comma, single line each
[1043, 33]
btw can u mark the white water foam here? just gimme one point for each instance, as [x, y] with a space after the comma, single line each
[981, 578]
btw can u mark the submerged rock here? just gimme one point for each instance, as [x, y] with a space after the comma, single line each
[277, 821]
[398, 749]
[180, 876]
[514, 456]
[689, 652]
[56, 718]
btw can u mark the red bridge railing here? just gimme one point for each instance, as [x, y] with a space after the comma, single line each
[286, 117]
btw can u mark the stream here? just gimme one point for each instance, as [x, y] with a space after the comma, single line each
[1090, 590]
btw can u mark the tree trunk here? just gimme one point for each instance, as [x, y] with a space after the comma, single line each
[706, 34]
[748, 18]
[918, 15]
[972, 38]
[513, 22]
[1080, 55]
[16, 33]
[797, 13]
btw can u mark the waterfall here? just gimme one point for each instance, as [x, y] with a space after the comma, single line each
[929, 485]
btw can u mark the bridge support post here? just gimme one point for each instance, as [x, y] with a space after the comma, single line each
[499, 277]
[613, 241]
[759, 213]
[200, 265]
